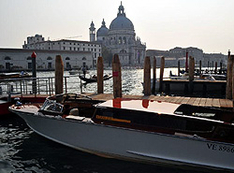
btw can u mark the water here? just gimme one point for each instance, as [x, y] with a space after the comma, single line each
[23, 151]
[131, 81]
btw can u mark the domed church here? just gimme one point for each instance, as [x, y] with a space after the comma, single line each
[120, 39]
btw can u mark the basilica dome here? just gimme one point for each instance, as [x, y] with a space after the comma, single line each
[121, 22]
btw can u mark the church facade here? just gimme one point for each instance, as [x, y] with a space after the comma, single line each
[120, 38]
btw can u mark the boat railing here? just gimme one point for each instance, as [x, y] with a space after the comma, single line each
[38, 85]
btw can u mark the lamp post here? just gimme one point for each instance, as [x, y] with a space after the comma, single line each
[34, 74]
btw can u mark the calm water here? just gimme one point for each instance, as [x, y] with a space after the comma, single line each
[23, 151]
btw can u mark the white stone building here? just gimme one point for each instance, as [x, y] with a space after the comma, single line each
[120, 39]
[20, 59]
[38, 42]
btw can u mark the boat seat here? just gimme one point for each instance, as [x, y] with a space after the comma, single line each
[74, 112]
[78, 118]
[75, 117]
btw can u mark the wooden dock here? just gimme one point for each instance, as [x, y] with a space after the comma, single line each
[203, 88]
[207, 102]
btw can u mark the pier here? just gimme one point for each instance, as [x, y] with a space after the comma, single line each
[196, 101]
[46, 86]
[220, 86]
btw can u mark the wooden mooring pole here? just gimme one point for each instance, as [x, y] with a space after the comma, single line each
[220, 68]
[100, 75]
[229, 77]
[216, 68]
[116, 73]
[147, 68]
[191, 74]
[178, 67]
[154, 76]
[232, 77]
[161, 74]
[200, 67]
[34, 73]
[58, 74]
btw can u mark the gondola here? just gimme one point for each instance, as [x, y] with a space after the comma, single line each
[94, 78]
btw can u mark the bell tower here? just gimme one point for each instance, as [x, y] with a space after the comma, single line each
[92, 32]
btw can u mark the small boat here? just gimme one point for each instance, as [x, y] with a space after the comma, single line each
[205, 76]
[213, 77]
[13, 75]
[136, 130]
[94, 78]
[75, 72]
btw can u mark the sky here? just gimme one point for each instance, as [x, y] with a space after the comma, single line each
[161, 24]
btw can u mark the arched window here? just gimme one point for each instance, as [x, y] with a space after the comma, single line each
[120, 40]
[124, 40]
[7, 58]
[83, 58]
[49, 58]
[123, 51]
[67, 58]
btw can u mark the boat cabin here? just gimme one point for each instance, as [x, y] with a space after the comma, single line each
[164, 117]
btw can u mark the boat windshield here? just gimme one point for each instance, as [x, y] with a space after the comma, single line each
[52, 106]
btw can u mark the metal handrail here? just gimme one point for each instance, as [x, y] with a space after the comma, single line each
[44, 85]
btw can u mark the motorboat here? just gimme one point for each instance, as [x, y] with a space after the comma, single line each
[136, 130]
[93, 78]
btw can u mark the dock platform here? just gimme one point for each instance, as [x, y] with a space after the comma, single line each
[196, 101]
[203, 88]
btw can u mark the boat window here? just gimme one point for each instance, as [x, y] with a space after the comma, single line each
[195, 111]
[52, 106]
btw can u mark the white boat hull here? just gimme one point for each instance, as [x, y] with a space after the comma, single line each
[133, 145]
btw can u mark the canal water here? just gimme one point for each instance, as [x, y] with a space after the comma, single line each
[23, 151]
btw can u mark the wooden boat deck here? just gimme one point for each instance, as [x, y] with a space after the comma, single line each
[207, 102]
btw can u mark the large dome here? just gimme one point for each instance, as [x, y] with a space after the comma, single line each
[121, 22]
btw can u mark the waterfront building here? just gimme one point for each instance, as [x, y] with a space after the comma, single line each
[120, 38]
[38, 42]
[176, 54]
[20, 59]
[211, 58]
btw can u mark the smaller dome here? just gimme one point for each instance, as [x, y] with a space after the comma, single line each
[103, 31]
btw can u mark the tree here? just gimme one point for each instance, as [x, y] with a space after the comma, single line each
[107, 55]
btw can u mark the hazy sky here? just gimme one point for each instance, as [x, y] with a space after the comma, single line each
[161, 24]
